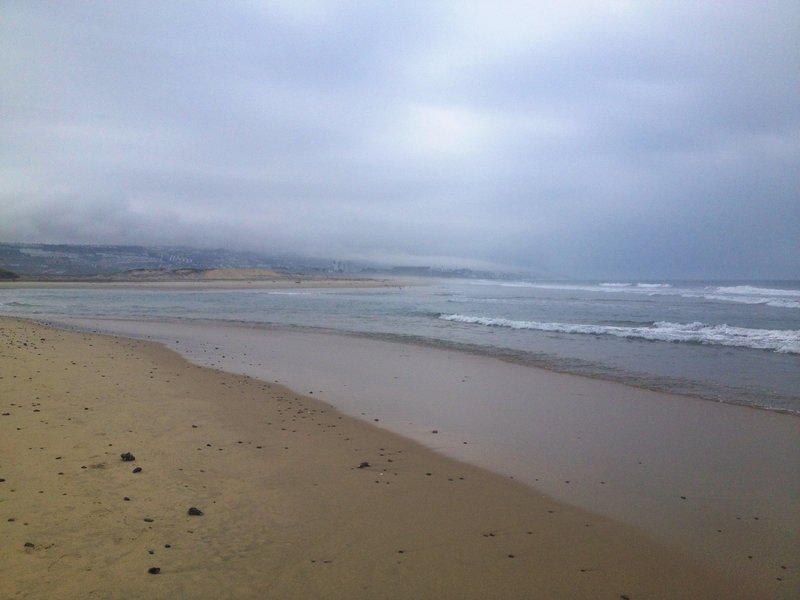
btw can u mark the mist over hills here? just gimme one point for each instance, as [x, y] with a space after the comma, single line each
[75, 260]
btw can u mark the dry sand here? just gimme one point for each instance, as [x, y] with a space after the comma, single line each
[287, 511]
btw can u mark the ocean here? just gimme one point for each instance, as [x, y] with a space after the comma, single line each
[735, 342]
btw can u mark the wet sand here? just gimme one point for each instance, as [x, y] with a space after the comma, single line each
[717, 481]
[287, 511]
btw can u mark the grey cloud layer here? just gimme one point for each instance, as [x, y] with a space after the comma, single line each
[576, 139]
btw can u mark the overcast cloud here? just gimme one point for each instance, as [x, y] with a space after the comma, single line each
[572, 139]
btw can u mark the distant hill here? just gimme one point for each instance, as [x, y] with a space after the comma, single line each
[156, 263]
[82, 260]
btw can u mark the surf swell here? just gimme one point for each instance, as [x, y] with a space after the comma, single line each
[783, 341]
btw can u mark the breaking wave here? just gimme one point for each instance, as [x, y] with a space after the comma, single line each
[740, 294]
[751, 290]
[766, 301]
[776, 340]
[748, 294]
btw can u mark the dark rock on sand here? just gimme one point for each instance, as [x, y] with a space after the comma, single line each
[195, 512]
[127, 457]
[363, 465]
[137, 470]
[154, 570]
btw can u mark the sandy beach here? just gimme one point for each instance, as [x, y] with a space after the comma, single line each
[211, 279]
[298, 499]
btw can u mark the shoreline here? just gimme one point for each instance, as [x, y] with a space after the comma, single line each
[646, 472]
[510, 356]
[733, 375]
[287, 510]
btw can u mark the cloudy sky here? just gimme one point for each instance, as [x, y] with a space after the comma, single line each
[571, 139]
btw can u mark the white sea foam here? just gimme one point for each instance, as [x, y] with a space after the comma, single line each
[742, 294]
[749, 290]
[784, 303]
[748, 294]
[783, 341]
[765, 300]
